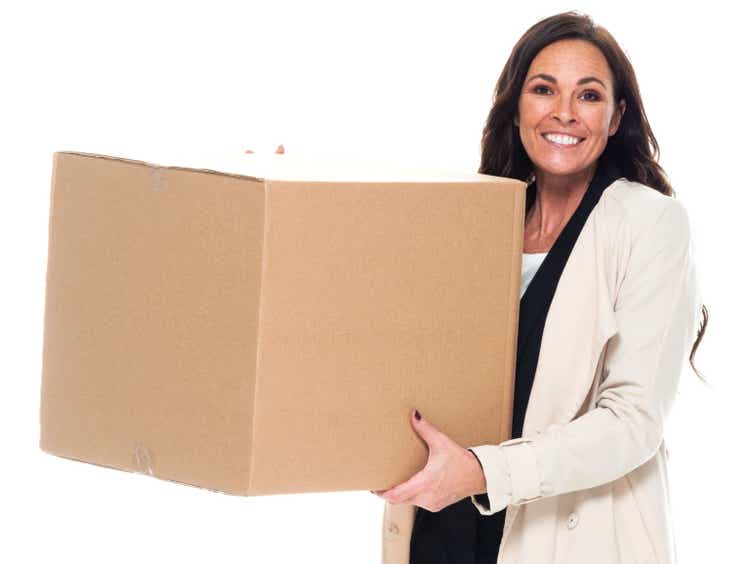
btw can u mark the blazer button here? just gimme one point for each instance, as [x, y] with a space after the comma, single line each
[392, 528]
[572, 520]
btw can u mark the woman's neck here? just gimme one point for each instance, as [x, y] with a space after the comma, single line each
[557, 199]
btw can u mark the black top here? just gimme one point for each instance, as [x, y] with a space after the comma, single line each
[459, 534]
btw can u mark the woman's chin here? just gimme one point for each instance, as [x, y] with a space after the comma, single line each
[556, 168]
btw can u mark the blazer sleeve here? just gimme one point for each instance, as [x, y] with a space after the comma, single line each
[657, 313]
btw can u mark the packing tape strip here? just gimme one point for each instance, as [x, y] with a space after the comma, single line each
[159, 182]
[143, 459]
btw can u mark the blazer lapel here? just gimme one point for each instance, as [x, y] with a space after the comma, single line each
[579, 322]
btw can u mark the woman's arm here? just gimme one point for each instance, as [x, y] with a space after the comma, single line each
[657, 312]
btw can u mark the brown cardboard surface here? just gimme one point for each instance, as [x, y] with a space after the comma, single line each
[270, 333]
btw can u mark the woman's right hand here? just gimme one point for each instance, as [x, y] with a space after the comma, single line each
[279, 150]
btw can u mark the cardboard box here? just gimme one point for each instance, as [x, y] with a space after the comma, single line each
[272, 335]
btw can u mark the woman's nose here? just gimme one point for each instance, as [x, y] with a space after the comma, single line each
[564, 110]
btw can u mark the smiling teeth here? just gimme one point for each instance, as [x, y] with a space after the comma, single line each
[562, 139]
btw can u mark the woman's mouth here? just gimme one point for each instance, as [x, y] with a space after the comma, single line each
[562, 141]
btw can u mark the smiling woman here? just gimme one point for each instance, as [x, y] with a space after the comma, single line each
[605, 326]
[566, 113]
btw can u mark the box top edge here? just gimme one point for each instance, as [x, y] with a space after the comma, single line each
[152, 164]
[286, 168]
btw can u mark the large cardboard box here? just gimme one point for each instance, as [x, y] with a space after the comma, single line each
[258, 335]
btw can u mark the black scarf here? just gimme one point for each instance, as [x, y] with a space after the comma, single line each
[459, 534]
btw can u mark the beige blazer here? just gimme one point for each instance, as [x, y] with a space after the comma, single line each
[587, 482]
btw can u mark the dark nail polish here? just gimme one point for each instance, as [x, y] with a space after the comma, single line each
[417, 415]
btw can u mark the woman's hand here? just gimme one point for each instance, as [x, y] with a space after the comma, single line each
[451, 473]
[279, 150]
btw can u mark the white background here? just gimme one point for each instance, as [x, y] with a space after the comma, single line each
[408, 81]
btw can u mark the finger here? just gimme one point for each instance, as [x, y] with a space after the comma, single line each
[411, 488]
[385, 494]
[429, 433]
[280, 149]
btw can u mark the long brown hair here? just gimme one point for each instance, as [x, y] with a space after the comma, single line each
[633, 147]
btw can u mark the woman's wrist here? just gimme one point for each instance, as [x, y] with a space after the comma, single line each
[479, 482]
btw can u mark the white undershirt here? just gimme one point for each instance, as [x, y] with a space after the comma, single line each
[530, 263]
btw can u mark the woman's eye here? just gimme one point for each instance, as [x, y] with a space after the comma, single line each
[595, 95]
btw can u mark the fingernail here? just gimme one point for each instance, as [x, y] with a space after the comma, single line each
[417, 415]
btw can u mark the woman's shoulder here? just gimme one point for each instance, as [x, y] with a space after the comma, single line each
[638, 223]
[638, 206]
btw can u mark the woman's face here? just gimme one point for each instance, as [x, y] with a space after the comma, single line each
[567, 91]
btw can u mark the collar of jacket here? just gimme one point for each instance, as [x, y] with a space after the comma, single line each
[579, 303]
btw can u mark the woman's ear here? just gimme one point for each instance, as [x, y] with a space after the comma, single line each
[617, 117]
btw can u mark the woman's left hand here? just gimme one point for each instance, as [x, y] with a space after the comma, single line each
[451, 473]
[279, 150]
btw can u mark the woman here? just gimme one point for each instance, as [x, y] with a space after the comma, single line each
[610, 308]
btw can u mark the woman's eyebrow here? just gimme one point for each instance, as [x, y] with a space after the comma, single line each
[552, 79]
